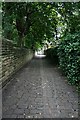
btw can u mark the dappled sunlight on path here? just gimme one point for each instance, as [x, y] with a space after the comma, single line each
[39, 55]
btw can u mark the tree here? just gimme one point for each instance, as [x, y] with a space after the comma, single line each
[30, 22]
[28, 18]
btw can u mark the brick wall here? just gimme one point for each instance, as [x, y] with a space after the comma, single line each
[13, 58]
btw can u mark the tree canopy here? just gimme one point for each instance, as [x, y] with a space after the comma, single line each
[33, 24]
[30, 23]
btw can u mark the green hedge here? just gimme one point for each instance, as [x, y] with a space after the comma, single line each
[69, 57]
[51, 53]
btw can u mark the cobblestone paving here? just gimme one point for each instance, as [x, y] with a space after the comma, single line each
[39, 91]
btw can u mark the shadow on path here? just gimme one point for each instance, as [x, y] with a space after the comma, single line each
[38, 90]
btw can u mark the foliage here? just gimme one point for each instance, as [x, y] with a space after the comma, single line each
[29, 24]
[51, 53]
[69, 56]
[30, 21]
[38, 21]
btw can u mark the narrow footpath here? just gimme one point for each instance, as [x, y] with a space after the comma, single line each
[39, 90]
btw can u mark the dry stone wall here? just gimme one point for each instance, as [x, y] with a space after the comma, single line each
[13, 58]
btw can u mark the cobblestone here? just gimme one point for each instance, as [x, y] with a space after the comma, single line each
[39, 90]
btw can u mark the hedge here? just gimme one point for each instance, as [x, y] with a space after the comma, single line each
[69, 57]
[51, 53]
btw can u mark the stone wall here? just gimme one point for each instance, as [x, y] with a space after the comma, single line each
[13, 58]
